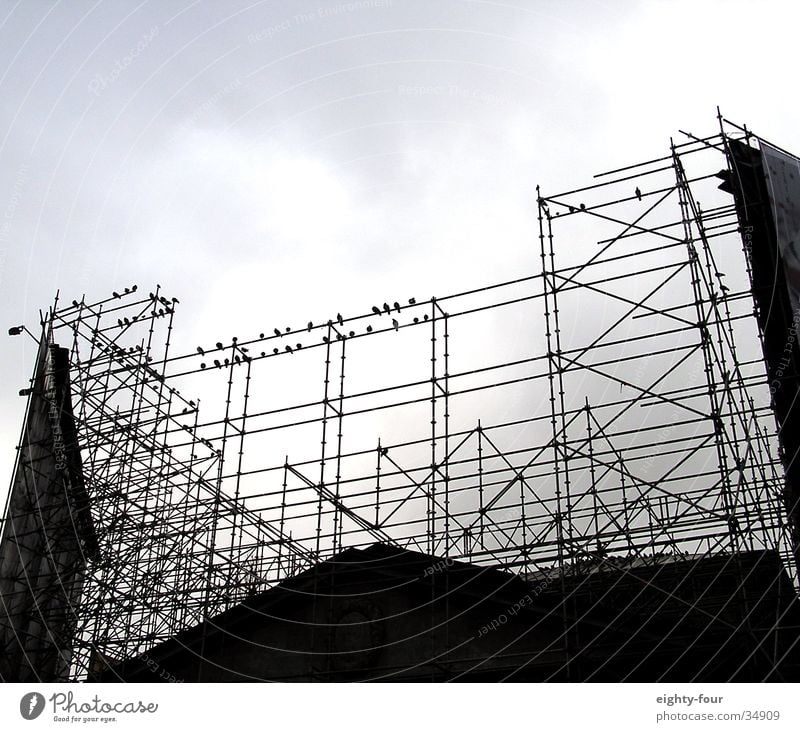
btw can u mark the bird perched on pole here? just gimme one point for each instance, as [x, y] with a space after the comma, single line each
[395, 324]
[638, 193]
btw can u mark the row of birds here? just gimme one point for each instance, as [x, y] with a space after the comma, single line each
[245, 357]
[129, 290]
[168, 308]
[387, 309]
[151, 295]
[582, 207]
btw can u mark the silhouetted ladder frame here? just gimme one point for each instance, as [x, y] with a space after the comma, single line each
[193, 517]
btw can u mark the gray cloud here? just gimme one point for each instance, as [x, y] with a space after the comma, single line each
[295, 158]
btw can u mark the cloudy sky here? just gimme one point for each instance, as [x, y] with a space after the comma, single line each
[295, 158]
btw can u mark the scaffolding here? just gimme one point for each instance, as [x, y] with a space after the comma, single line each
[612, 408]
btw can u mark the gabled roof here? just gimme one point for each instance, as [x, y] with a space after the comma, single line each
[378, 567]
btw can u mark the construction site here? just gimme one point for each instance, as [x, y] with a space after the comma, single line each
[584, 474]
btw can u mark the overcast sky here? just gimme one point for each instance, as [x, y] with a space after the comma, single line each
[295, 159]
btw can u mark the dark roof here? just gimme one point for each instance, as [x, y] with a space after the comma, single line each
[670, 589]
[379, 566]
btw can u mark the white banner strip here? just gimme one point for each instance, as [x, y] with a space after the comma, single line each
[401, 707]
